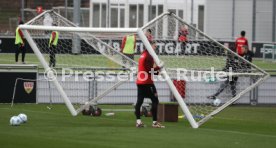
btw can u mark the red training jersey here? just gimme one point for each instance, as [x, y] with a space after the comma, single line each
[182, 35]
[240, 42]
[145, 65]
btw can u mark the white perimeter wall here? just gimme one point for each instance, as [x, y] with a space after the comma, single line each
[219, 13]
[127, 93]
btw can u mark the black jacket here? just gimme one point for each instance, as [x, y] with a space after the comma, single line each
[248, 56]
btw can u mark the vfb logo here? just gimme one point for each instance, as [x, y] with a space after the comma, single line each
[28, 86]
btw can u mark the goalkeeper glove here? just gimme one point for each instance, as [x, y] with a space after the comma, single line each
[160, 64]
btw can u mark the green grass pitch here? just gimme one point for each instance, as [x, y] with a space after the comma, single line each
[101, 61]
[236, 127]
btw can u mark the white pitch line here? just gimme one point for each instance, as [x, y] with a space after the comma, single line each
[32, 111]
[240, 133]
[235, 119]
[14, 61]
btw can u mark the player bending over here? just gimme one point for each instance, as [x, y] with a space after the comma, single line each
[146, 87]
[233, 64]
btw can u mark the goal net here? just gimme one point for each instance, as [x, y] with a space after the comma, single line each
[202, 75]
[208, 76]
[84, 64]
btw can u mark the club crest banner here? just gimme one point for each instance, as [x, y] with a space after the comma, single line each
[28, 86]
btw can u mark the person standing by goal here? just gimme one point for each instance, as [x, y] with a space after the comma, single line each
[146, 87]
[128, 47]
[53, 47]
[19, 42]
[248, 55]
[240, 42]
[183, 38]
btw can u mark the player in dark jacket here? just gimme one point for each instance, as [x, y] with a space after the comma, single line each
[232, 65]
[248, 56]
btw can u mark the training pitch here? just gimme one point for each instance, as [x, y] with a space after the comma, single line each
[236, 127]
[95, 60]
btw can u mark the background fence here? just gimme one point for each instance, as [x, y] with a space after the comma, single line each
[127, 92]
[81, 91]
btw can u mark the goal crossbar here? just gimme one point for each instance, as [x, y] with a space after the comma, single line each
[79, 29]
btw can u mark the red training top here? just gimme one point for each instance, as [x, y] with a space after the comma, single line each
[182, 35]
[145, 65]
[241, 41]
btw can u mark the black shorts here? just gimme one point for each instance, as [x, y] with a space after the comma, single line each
[147, 91]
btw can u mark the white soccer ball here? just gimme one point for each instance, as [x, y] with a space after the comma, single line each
[23, 117]
[15, 121]
[217, 102]
[210, 79]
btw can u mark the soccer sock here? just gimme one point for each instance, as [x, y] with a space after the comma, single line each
[138, 121]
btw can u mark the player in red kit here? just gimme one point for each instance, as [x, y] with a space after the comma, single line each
[183, 37]
[240, 42]
[146, 87]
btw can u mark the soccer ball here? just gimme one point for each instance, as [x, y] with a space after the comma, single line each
[15, 121]
[23, 117]
[210, 80]
[216, 102]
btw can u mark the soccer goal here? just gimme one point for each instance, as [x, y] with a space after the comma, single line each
[202, 75]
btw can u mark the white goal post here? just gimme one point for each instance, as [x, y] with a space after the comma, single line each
[197, 53]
